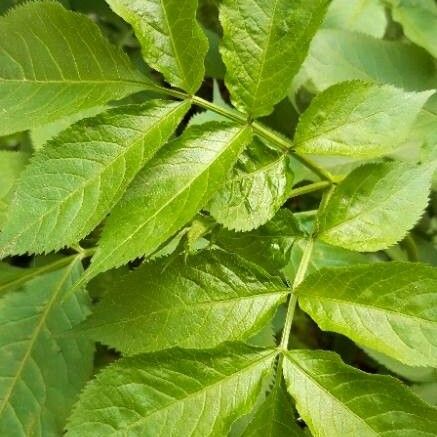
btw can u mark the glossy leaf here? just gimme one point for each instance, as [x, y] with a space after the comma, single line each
[74, 181]
[261, 182]
[268, 246]
[363, 213]
[388, 307]
[265, 42]
[354, 403]
[274, 417]
[198, 302]
[419, 21]
[358, 119]
[365, 16]
[42, 372]
[168, 192]
[173, 393]
[171, 39]
[55, 62]
[337, 56]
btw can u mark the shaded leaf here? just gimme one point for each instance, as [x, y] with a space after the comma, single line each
[268, 246]
[41, 372]
[337, 56]
[261, 182]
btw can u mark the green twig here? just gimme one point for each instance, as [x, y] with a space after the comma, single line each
[310, 188]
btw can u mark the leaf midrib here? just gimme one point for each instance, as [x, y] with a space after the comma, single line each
[328, 393]
[92, 180]
[202, 389]
[369, 307]
[34, 337]
[96, 266]
[189, 305]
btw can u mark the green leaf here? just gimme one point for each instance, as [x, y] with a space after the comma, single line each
[411, 373]
[337, 400]
[388, 307]
[323, 255]
[375, 206]
[169, 192]
[358, 119]
[11, 166]
[268, 246]
[42, 134]
[419, 21]
[261, 182]
[75, 180]
[337, 56]
[55, 62]
[12, 278]
[274, 417]
[172, 41]
[42, 372]
[265, 42]
[198, 302]
[365, 16]
[173, 393]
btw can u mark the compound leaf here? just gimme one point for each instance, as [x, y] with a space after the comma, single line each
[261, 182]
[264, 44]
[388, 307]
[55, 62]
[375, 206]
[171, 39]
[169, 191]
[354, 403]
[74, 181]
[198, 302]
[173, 393]
[358, 119]
[42, 372]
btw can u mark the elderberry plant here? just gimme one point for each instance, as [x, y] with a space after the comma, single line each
[191, 192]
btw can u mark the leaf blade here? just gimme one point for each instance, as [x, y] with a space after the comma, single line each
[363, 212]
[48, 70]
[264, 44]
[37, 358]
[378, 306]
[377, 404]
[194, 303]
[358, 119]
[192, 167]
[172, 40]
[74, 181]
[206, 391]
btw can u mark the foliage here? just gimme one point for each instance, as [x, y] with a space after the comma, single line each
[225, 210]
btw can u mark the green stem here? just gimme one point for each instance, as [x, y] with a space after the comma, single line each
[300, 275]
[281, 142]
[310, 188]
